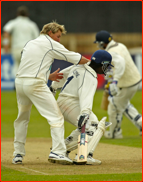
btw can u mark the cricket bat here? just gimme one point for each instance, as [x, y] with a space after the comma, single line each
[82, 147]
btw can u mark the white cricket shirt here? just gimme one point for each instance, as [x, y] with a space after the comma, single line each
[81, 84]
[39, 54]
[22, 30]
[125, 70]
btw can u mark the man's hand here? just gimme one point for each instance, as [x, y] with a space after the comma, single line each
[55, 76]
[82, 120]
[6, 42]
[113, 89]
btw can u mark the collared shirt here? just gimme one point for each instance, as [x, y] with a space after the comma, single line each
[39, 54]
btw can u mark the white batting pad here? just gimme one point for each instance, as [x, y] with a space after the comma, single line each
[97, 136]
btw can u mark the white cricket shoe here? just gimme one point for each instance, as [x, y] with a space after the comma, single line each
[117, 135]
[60, 159]
[90, 160]
[17, 159]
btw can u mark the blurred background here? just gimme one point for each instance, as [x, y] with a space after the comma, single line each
[82, 20]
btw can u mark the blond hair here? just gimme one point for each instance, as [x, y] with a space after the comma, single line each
[54, 27]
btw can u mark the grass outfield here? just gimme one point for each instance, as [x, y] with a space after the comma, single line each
[13, 175]
[38, 127]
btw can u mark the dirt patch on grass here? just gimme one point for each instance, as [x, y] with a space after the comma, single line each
[115, 159]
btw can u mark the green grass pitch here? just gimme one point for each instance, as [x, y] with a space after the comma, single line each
[41, 129]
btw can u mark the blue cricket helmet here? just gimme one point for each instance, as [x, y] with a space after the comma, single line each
[103, 36]
[102, 58]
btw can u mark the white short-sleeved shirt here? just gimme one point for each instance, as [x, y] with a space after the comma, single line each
[39, 54]
[22, 30]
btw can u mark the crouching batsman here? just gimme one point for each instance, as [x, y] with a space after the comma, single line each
[79, 84]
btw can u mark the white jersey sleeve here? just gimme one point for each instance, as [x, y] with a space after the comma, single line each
[119, 65]
[61, 53]
[9, 26]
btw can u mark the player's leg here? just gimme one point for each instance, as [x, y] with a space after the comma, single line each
[72, 140]
[94, 140]
[133, 115]
[97, 135]
[115, 117]
[44, 101]
[21, 123]
[116, 108]
[71, 110]
[131, 112]
[72, 143]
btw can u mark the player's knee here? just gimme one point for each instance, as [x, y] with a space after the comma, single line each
[57, 124]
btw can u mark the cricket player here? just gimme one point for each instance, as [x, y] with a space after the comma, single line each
[75, 100]
[21, 29]
[125, 83]
[31, 88]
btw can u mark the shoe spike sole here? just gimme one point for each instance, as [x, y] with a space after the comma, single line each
[60, 162]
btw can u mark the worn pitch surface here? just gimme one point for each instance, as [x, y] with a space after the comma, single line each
[115, 159]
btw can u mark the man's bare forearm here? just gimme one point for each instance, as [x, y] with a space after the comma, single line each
[84, 60]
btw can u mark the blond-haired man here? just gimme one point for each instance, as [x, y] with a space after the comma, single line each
[31, 88]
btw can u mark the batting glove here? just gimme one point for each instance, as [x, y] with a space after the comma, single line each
[82, 120]
[113, 89]
[109, 76]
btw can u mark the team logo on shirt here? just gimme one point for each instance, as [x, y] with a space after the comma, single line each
[76, 73]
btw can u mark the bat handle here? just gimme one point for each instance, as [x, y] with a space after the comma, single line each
[83, 129]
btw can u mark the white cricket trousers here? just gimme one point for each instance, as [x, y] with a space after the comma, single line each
[118, 104]
[35, 91]
[70, 108]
